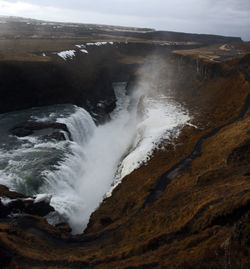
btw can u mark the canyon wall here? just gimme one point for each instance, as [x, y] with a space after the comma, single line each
[85, 80]
[188, 207]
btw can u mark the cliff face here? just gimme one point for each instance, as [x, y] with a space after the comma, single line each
[32, 74]
[83, 80]
[196, 213]
[188, 207]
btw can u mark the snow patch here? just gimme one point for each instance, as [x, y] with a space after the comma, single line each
[166, 44]
[84, 51]
[100, 43]
[80, 46]
[66, 54]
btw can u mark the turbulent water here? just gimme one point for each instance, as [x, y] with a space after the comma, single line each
[78, 174]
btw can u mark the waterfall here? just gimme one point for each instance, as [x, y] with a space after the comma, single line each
[78, 174]
[81, 180]
[80, 125]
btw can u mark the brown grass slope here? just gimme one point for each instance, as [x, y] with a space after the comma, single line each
[199, 219]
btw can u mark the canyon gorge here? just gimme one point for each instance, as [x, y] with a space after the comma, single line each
[123, 148]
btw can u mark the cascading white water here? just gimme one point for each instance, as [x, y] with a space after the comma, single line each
[81, 181]
[89, 168]
[81, 126]
[96, 164]
[160, 119]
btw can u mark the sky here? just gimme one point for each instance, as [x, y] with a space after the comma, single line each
[223, 17]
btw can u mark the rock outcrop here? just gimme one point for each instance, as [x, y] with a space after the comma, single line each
[12, 203]
[32, 73]
[30, 127]
[47, 130]
[85, 80]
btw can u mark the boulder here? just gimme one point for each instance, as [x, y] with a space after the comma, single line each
[24, 206]
[30, 127]
[15, 203]
[21, 132]
[59, 136]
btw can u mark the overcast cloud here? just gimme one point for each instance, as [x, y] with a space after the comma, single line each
[225, 17]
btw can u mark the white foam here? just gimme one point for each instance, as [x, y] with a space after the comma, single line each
[5, 201]
[80, 125]
[30, 139]
[44, 118]
[43, 197]
[159, 119]
[81, 181]
[99, 156]
[159, 116]
[97, 163]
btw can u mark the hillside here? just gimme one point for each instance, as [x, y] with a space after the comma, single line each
[20, 28]
[188, 206]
